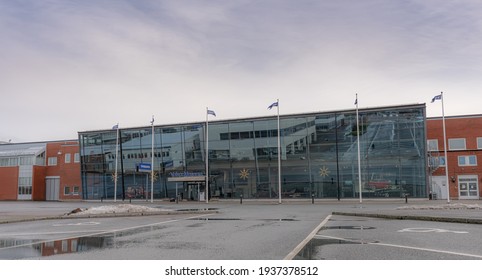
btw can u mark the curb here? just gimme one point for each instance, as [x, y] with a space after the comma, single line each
[412, 217]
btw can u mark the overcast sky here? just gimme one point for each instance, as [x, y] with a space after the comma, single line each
[69, 66]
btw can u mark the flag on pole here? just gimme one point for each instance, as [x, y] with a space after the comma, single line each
[436, 97]
[275, 104]
[152, 121]
[211, 112]
[358, 150]
[208, 112]
[115, 126]
[440, 97]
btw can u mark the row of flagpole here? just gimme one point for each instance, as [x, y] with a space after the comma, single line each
[274, 104]
[208, 112]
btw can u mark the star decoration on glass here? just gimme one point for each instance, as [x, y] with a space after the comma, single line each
[324, 171]
[113, 177]
[244, 174]
[154, 176]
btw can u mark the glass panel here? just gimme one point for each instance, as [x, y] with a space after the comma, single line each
[319, 156]
[472, 160]
[461, 160]
[473, 189]
[457, 144]
[432, 145]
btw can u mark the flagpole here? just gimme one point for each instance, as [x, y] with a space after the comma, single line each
[445, 149]
[152, 160]
[279, 156]
[116, 160]
[358, 144]
[207, 155]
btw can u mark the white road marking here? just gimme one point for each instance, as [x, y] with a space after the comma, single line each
[406, 247]
[425, 230]
[14, 234]
[77, 224]
[303, 243]
[103, 232]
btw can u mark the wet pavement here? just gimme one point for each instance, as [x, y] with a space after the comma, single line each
[261, 222]
[14, 211]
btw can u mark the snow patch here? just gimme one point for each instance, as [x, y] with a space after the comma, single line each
[115, 209]
[442, 207]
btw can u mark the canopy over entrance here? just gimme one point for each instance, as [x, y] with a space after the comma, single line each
[186, 176]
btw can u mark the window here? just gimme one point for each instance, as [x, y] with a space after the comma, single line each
[76, 157]
[65, 246]
[432, 145]
[73, 245]
[441, 161]
[26, 161]
[67, 158]
[9, 161]
[76, 190]
[52, 161]
[436, 161]
[457, 144]
[479, 143]
[66, 190]
[467, 160]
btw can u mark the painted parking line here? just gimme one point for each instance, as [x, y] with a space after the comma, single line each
[77, 224]
[404, 247]
[430, 230]
[303, 243]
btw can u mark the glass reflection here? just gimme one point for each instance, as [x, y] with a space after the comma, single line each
[318, 157]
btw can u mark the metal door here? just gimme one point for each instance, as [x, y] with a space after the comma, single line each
[468, 187]
[52, 188]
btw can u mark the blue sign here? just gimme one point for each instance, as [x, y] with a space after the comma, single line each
[144, 167]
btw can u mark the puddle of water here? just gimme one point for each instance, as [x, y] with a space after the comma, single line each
[281, 220]
[238, 219]
[214, 219]
[348, 227]
[11, 249]
[311, 249]
[200, 209]
[347, 220]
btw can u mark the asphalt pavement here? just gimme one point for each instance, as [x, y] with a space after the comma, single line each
[458, 211]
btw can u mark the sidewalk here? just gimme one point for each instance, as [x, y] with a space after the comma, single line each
[416, 209]
[435, 210]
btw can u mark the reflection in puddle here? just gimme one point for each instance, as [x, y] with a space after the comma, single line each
[348, 227]
[200, 209]
[238, 219]
[26, 249]
[311, 249]
[11, 249]
[215, 219]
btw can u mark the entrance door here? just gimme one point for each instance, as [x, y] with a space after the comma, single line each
[52, 185]
[468, 187]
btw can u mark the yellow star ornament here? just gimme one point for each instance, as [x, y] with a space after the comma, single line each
[244, 174]
[324, 171]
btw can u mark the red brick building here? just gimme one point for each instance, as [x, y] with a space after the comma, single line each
[464, 153]
[40, 171]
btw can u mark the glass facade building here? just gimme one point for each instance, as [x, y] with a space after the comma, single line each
[319, 157]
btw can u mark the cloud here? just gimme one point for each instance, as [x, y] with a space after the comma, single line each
[82, 65]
